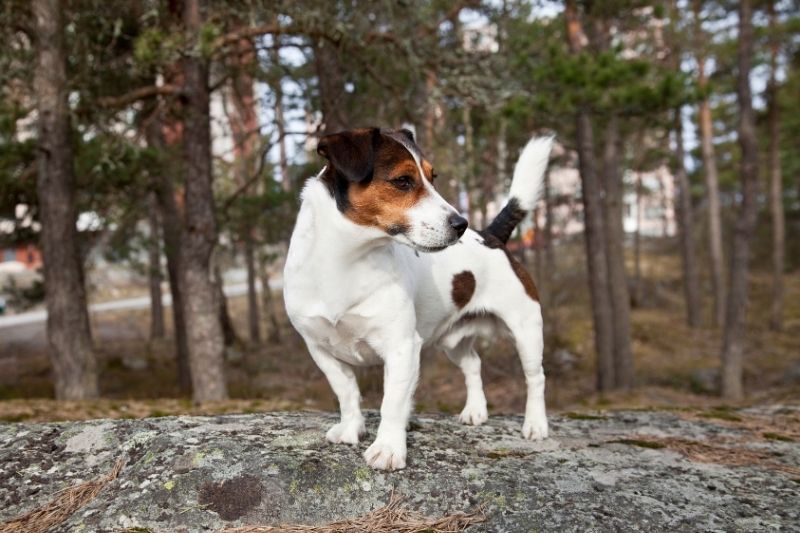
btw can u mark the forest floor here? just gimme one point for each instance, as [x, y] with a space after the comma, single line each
[676, 367]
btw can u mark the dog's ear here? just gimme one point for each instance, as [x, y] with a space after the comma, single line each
[351, 153]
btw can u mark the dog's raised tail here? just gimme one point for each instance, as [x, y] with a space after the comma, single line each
[526, 187]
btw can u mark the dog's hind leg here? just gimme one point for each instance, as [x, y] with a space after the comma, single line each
[343, 382]
[468, 360]
[524, 320]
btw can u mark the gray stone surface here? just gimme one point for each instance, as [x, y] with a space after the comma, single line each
[204, 473]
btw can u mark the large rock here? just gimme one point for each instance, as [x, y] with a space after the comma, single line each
[631, 471]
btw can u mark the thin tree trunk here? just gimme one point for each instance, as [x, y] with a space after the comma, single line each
[736, 313]
[268, 302]
[775, 182]
[280, 121]
[712, 180]
[68, 331]
[154, 270]
[172, 229]
[597, 264]
[253, 312]
[550, 260]
[637, 243]
[243, 121]
[228, 329]
[469, 167]
[331, 86]
[206, 343]
[615, 255]
[683, 202]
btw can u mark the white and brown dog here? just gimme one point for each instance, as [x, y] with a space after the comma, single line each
[363, 286]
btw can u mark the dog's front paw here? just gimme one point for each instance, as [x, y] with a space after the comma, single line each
[474, 414]
[535, 429]
[346, 431]
[387, 453]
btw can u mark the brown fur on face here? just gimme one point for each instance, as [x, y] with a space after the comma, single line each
[362, 166]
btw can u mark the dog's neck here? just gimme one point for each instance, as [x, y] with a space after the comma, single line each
[334, 231]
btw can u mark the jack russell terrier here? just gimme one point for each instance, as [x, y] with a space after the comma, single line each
[380, 265]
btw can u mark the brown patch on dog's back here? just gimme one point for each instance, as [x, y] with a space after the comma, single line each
[463, 288]
[490, 241]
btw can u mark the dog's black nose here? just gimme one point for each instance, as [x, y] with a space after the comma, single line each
[458, 223]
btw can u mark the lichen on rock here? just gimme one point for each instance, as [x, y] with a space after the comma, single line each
[208, 473]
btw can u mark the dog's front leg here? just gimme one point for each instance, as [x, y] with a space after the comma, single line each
[343, 382]
[400, 375]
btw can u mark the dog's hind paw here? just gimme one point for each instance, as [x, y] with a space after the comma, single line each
[474, 415]
[535, 429]
[346, 432]
[385, 455]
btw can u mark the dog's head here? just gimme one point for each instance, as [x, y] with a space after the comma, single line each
[380, 179]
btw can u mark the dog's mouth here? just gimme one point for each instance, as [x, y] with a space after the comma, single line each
[429, 249]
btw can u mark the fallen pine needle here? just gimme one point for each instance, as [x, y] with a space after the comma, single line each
[65, 503]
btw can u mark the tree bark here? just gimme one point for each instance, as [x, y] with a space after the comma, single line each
[268, 303]
[712, 180]
[68, 331]
[253, 312]
[204, 331]
[331, 86]
[597, 262]
[683, 202]
[172, 228]
[775, 181]
[244, 125]
[736, 313]
[595, 237]
[154, 270]
[615, 256]
[228, 329]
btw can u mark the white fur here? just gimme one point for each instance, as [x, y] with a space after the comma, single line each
[360, 297]
[526, 184]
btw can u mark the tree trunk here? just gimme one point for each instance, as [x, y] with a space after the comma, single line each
[68, 331]
[712, 182]
[204, 331]
[683, 202]
[550, 260]
[280, 121]
[331, 86]
[244, 125]
[253, 314]
[775, 182]
[637, 244]
[736, 313]
[228, 330]
[268, 303]
[154, 270]
[469, 182]
[615, 255]
[172, 229]
[597, 264]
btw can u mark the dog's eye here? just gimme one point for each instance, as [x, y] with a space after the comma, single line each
[433, 175]
[404, 183]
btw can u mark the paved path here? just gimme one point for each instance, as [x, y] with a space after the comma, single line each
[141, 302]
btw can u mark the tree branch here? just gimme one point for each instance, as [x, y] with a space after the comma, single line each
[138, 94]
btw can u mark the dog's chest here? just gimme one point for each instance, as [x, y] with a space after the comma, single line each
[344, 339]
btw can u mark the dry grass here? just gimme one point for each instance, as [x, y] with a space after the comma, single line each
[391, 518]
[712, 453]
[62, 506]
